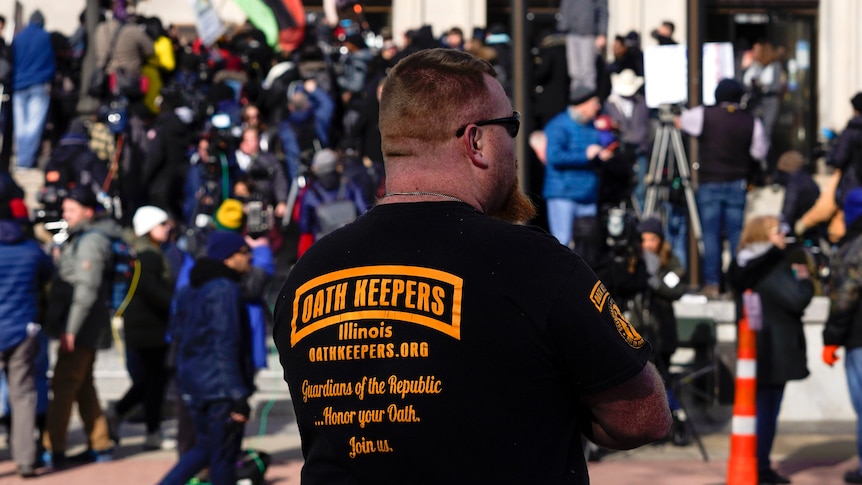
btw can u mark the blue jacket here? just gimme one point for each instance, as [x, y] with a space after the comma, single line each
[321, 108]
[318, 194]
[33, 57]
[569, 174]
[24, 267]
[257, 310]
[263, 260]
[211, 334]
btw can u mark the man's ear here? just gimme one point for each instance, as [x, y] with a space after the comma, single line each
[476, 146]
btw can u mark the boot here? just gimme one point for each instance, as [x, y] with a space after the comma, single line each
[153, 441]
[114, 420]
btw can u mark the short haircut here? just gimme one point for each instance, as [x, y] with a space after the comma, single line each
[429, 95]
[670, 26]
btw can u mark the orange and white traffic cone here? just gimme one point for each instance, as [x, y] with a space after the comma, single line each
[742, 463]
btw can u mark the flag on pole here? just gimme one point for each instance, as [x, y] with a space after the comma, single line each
[281, 21]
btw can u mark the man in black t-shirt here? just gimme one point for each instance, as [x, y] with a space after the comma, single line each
[434, 340]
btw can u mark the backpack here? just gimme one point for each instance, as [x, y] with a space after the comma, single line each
[251, 466]
[334, 214]
[121, 274]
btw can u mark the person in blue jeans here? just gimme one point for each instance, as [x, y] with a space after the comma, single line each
[730, 142]
[214, 368]
[32, 74]
[844, 326]
[573, 153]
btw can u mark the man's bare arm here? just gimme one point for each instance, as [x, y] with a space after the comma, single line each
[631, 414]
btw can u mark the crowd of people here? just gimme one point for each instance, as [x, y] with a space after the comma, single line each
[212, 162]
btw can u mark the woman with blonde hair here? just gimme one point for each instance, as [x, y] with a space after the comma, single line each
[784, 289]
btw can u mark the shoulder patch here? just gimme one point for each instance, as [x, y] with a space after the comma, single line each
[599, 296]
[625, 329]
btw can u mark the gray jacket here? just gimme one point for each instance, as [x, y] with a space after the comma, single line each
[583, 17]
[82, 264]
[131, 47]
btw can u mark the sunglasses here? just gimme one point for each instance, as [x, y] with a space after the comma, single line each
[511, 123]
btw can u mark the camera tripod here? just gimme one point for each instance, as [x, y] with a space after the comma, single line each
[668, 158]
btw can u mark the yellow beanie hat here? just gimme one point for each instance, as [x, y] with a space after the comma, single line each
[228, 217]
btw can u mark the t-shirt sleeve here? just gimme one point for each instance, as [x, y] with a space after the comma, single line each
[599, 347]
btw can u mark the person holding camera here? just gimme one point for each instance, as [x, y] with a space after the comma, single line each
[574, 151]
[210, 176]
[72, 163]
[265, 172]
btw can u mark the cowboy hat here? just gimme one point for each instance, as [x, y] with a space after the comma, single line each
[626, 83]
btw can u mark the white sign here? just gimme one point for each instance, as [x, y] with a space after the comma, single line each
[718, 64]
[666, 75]
[207, 22]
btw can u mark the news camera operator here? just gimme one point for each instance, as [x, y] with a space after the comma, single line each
[264, 170]
[72, 164]
[621, 266]
[212, 172]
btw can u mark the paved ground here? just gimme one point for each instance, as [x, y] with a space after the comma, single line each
[809, 454]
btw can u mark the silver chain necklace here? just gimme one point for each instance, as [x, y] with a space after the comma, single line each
[423, 194]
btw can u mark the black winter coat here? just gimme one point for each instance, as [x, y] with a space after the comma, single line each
[844, 326]
[781, 342]
[661, 327]
[551, 78]
[145, 322]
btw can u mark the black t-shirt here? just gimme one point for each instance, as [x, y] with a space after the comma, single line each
[429, 343]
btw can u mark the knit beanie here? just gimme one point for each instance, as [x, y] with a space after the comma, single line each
[224, 244]
[229, 215]
[651, 225]
[852, 206]
[581, 95]
[146, 218]
[729, 91]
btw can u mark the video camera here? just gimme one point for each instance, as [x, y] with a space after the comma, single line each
[51, 197]
[258, 218]
[223, 135]
[621, 231]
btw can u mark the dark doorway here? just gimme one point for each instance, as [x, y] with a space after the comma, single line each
[791, 32]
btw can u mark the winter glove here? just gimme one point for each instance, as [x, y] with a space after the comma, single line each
[240, 407]
[830, 355]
